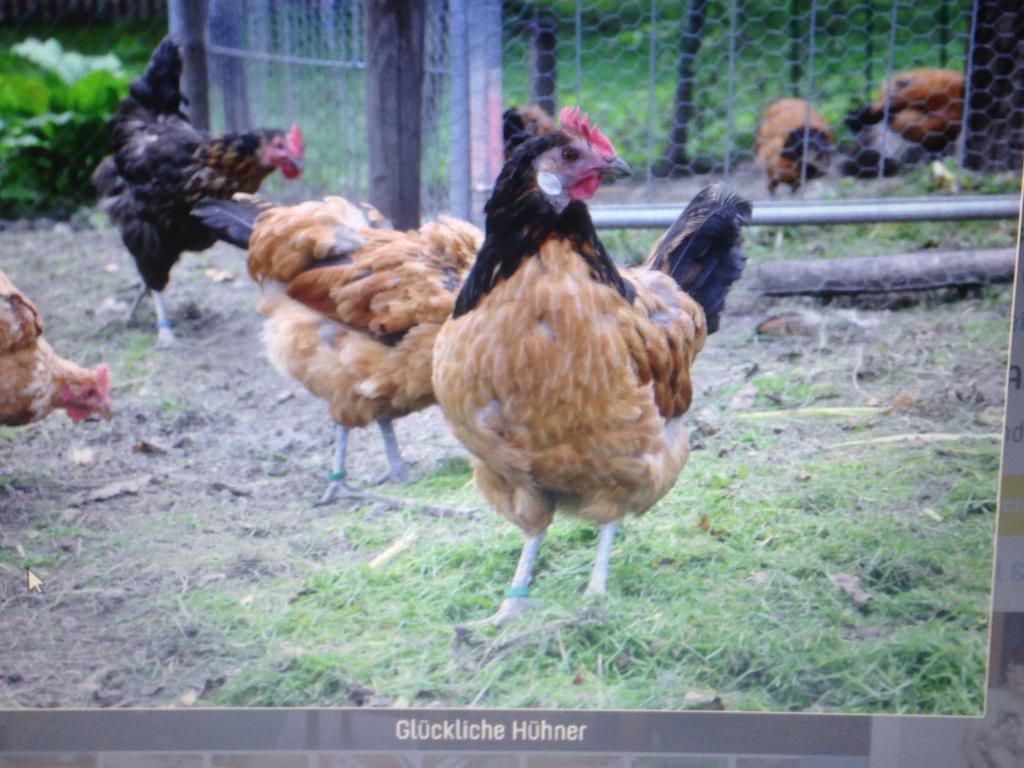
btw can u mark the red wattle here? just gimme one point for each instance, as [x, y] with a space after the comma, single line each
[585, 189]
[77, 414]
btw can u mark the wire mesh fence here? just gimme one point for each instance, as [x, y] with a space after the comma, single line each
[824, 98]
[305, 61]
[722, 87]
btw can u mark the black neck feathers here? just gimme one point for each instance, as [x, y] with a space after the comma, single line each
[520, 219]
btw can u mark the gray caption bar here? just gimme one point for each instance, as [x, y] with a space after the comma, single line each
[209, 730]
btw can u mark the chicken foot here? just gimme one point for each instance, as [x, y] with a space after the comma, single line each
[397, 472]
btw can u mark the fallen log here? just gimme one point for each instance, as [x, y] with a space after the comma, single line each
[919, 271]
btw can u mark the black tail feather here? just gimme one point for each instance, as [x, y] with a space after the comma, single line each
[231, 220]
[701, 249]
[158, 89]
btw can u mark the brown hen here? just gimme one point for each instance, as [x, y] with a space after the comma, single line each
[34, 380]
[565, 376]
[790, 138]
[915, 116]
[352, 309]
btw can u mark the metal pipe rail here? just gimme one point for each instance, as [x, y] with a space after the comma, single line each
[772, 213]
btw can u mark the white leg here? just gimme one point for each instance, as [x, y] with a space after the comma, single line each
[599, 576]
[135, 304]
[398, 472]
[337, 475]
[164, 333]
[517, 597]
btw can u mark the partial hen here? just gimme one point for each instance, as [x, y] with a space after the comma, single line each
[522, 123]
[352, 309]
[34, 380]
[916, 117]
[161, 167]
[793, 135]
[565, 376]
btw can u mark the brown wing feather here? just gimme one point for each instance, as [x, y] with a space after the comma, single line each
[668, 330]
[925, 105]
[395, 281]
[780, 118]
[287, 240]
[387, 292]
[20, 323]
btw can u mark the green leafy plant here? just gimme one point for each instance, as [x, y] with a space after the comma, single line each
[68, 65]
[53, 127]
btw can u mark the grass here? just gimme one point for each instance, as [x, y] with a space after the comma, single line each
[131, 40]
[670, 625]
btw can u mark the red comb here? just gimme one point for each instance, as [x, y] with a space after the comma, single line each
[294, 140]
[573, 119]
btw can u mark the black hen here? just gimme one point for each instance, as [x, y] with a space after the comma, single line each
[161, 167]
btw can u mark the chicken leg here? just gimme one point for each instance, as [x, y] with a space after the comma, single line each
[598, 584]
[517, 597]
[398, 472]
[135, 304]
[165, 337]
[337, 475]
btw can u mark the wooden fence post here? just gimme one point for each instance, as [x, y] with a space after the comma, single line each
[486, 101]
[229, 71]
[394, 102]
[544, 63]
[188, 28]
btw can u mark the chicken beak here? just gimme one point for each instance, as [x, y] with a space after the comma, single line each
[104, 411]
[617, 168]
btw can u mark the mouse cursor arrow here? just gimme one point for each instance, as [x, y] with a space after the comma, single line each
[35, 584]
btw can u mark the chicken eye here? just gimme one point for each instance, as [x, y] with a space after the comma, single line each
[570, 154]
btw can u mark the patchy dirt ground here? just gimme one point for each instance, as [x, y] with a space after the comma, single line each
[209, 471]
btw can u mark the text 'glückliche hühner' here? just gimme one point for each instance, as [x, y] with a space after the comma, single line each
[461, 729]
